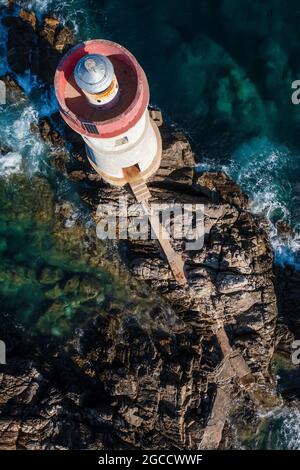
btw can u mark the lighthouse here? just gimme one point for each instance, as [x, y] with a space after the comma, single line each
[103, 95]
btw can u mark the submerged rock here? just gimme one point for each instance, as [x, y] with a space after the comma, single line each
[156, 371]
[143, 374]
[29, 17]
[35, 46]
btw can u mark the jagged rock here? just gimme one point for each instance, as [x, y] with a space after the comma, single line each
[63, 40]
[49, 29]
[217, 185]
[284, 230]
[29, 17]
[147, 380]
[14, 93]
[230, 279]
[34, 46]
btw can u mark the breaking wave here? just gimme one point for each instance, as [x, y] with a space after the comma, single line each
[282, 430]
[269, 174]
[266, 171]
[17, 135]
[10, 163]
[69, 12]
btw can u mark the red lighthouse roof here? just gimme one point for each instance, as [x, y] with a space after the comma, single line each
[90, 120]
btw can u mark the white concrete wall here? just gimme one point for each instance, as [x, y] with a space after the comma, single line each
[140, 149]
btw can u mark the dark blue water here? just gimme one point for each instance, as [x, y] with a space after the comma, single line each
[222, 71]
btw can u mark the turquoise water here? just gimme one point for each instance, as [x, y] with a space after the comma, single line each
[49, 278]
[222, 71]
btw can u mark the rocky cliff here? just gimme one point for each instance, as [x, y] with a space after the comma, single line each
[170, 378]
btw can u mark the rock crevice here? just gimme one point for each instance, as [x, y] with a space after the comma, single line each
[167, 382]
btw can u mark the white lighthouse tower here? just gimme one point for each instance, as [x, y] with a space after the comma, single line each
[103, 94]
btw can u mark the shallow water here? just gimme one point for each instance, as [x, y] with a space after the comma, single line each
[45, 269]
[226, 83]
[221, 70]
[280, 430]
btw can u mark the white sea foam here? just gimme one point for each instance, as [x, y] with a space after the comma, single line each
[17, 134]
[291, 429]
[283, 429]
[38, 5]
[264, 170]
[10, 163]
[259, 165]
[66, 11]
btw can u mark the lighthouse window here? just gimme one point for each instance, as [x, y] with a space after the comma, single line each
[121, 141]
[91, 128]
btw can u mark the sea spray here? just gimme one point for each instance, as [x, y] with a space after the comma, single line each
[10, 163]
[17, 135]
[268, 172]
[280, 430]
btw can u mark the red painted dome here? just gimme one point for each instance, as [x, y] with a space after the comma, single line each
[89, 120]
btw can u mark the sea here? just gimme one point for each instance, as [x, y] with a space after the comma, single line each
[220, 70]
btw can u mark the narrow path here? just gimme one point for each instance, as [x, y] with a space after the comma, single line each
[233, 367]
[142, 195]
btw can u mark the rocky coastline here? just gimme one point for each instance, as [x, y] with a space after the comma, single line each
[179, 378]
